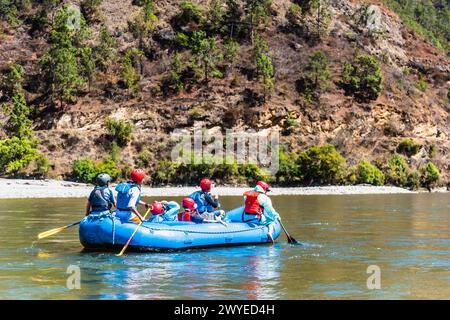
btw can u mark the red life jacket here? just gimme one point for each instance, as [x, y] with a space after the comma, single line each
[251, 203]
[184, 216]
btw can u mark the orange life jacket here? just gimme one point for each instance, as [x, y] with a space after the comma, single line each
[252, 205]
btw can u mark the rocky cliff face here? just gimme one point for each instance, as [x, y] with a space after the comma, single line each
[358, 129]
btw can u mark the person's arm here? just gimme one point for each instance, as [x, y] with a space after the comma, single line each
[88, 208]
[112, 199]
[269, 210]
[134, 210]
[131, 205]
[213, 201]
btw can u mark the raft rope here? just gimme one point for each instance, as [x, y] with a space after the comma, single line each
[203, 232]
[113, 229]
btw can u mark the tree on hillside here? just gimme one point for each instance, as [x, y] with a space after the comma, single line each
[232, 18]
[317, 69]
[144, 23]
[106, 52]
[12, 82]
[263, 64]
[18, 123]
[265, 72]
[316, 76]
[205, 53]
[215, 15]
[257, 12]
[363, 78]
[19, 149]
[130, 75]
[175, 80]
[231, 51]
[62, 66]
[319, 11]
[259, 47]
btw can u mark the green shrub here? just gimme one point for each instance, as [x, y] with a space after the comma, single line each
[182, 40]
[430, 175]
[363, 78]
[287, 170]
[421, 84]
[321, 165]
[129, 74]
[16, 153]
[408, 147]
[365, 172]
[188, 12]
[167, 171]
[413, 182]
[120, 130]
[397, 171]
[108, 166]
[251, 173]
[12, 82]
[43, 166]
[84, 170]
[144, 158]
[18, 124]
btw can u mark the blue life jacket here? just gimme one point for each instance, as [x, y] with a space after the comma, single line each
[200, 200]
[123, 198]
[99, 199]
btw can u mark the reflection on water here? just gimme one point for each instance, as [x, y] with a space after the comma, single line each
[407, 236]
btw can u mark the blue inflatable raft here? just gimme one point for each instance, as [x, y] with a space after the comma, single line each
[107, 232]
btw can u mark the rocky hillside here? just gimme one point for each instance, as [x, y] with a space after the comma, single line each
[412, 103]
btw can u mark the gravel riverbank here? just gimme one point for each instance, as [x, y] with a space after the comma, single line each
[17, 188]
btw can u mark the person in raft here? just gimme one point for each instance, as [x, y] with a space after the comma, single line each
[258, 207]
[190, 213]
[101, 199]
[205, 201]
[129, 197]
[164, 211]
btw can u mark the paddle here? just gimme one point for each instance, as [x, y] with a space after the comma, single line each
[56, 230]
[290, 239]
[132, 235]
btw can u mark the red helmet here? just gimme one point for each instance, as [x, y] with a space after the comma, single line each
[205, 184]
[189, 203]
[263, 185]
[137, 175]
[157, 208]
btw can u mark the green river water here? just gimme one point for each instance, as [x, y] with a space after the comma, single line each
[406, 236]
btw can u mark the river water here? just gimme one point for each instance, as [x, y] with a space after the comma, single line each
[406, 236]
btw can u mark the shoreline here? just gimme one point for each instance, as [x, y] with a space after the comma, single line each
[23, 189]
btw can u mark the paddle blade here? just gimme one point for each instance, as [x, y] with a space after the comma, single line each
[49, 233]
[293, 241]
